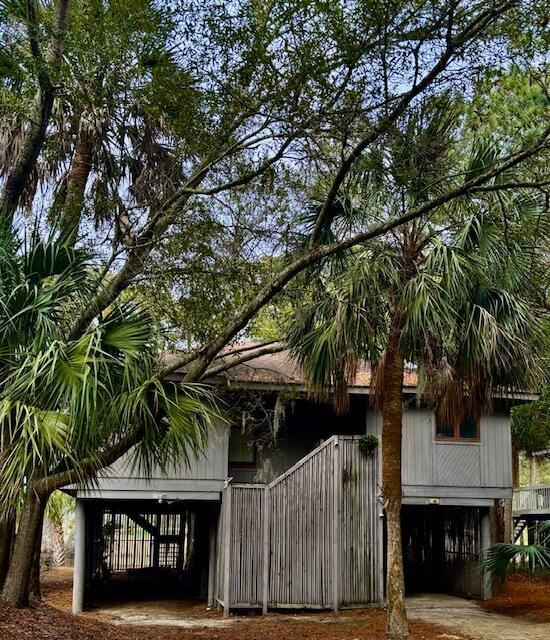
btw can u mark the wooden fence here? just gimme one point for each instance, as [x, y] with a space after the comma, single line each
[311, 538]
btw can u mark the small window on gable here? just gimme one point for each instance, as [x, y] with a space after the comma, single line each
[241, 449]
[466, 430]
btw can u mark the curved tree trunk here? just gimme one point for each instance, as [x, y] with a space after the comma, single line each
[35, 592]
[35, 133]
[397, 626]
[16, 586]
[7, 533]
[79, 173]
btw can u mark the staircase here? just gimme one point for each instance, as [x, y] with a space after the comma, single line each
[519, 525]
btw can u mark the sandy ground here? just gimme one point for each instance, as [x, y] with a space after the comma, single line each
[468, 617]
[138, 621]
[522, 612]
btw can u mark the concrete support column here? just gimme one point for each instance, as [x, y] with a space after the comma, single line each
[487, 578]
[79, 568]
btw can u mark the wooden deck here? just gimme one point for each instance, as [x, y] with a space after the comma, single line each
[531, 501]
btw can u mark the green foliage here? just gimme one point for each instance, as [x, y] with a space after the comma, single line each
[59, 507]
[62, 401]
[368, 445]
[531, 424]
[459, 281]
[502, 558]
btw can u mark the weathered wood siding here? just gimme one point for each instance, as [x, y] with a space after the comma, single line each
[482, 468]
[361, 562]
[311, 538]
[203, 478]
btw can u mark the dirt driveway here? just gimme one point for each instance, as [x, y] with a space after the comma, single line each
[467, 617]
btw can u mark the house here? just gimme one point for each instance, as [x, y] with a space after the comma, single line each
[283, 509]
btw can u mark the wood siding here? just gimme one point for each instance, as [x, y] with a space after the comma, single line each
[201, 479]
[311, 538]
[433, 467]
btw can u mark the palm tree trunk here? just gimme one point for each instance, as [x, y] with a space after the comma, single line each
[79, 173]
[7, 532]
[397, 626]
[58, 555]
[16, 586]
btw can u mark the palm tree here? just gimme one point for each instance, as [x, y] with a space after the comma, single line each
[62, 402]
[112, 128]
[59, 509]
[445, 294]
[502, 558]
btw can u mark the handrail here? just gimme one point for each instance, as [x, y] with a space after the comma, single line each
[302, 461]
[332, 440]
[533, 499]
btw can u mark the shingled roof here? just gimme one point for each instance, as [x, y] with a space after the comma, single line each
[280, 369]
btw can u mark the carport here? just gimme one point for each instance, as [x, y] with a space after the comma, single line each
[442, 548]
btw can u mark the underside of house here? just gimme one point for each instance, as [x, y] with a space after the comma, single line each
[138, 548]
[296, 520]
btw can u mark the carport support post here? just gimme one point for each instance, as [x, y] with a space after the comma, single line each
[212, 557]
[79, 565]
[486, 577]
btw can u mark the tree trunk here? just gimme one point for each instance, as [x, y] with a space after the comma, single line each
[79, 173]
[58, 535]
[7, 532]
[16, 586]
[515, 467]
[35, 592]
[397, 626]
[532, 470]
[35, 134]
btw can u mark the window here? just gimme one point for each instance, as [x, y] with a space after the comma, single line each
[241, 450]
[466, 430]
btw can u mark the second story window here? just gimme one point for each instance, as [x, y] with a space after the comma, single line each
[467, 430]
[241, 450]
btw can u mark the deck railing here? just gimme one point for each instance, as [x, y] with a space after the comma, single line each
[532, 500]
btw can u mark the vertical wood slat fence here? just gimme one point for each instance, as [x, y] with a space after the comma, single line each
[310, 539]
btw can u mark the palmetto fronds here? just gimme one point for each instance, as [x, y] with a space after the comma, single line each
[460, 280]
[501, 558]
[64, 401]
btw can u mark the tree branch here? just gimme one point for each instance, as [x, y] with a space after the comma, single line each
[479, 23]
[316, 254]
[89, 466]
[35, 135]
[229, 363]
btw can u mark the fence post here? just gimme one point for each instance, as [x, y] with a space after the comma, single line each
[265, 579]
[380, 526]
[336, 478]
[227, 550]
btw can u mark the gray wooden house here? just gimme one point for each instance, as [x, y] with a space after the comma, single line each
[283, 509]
